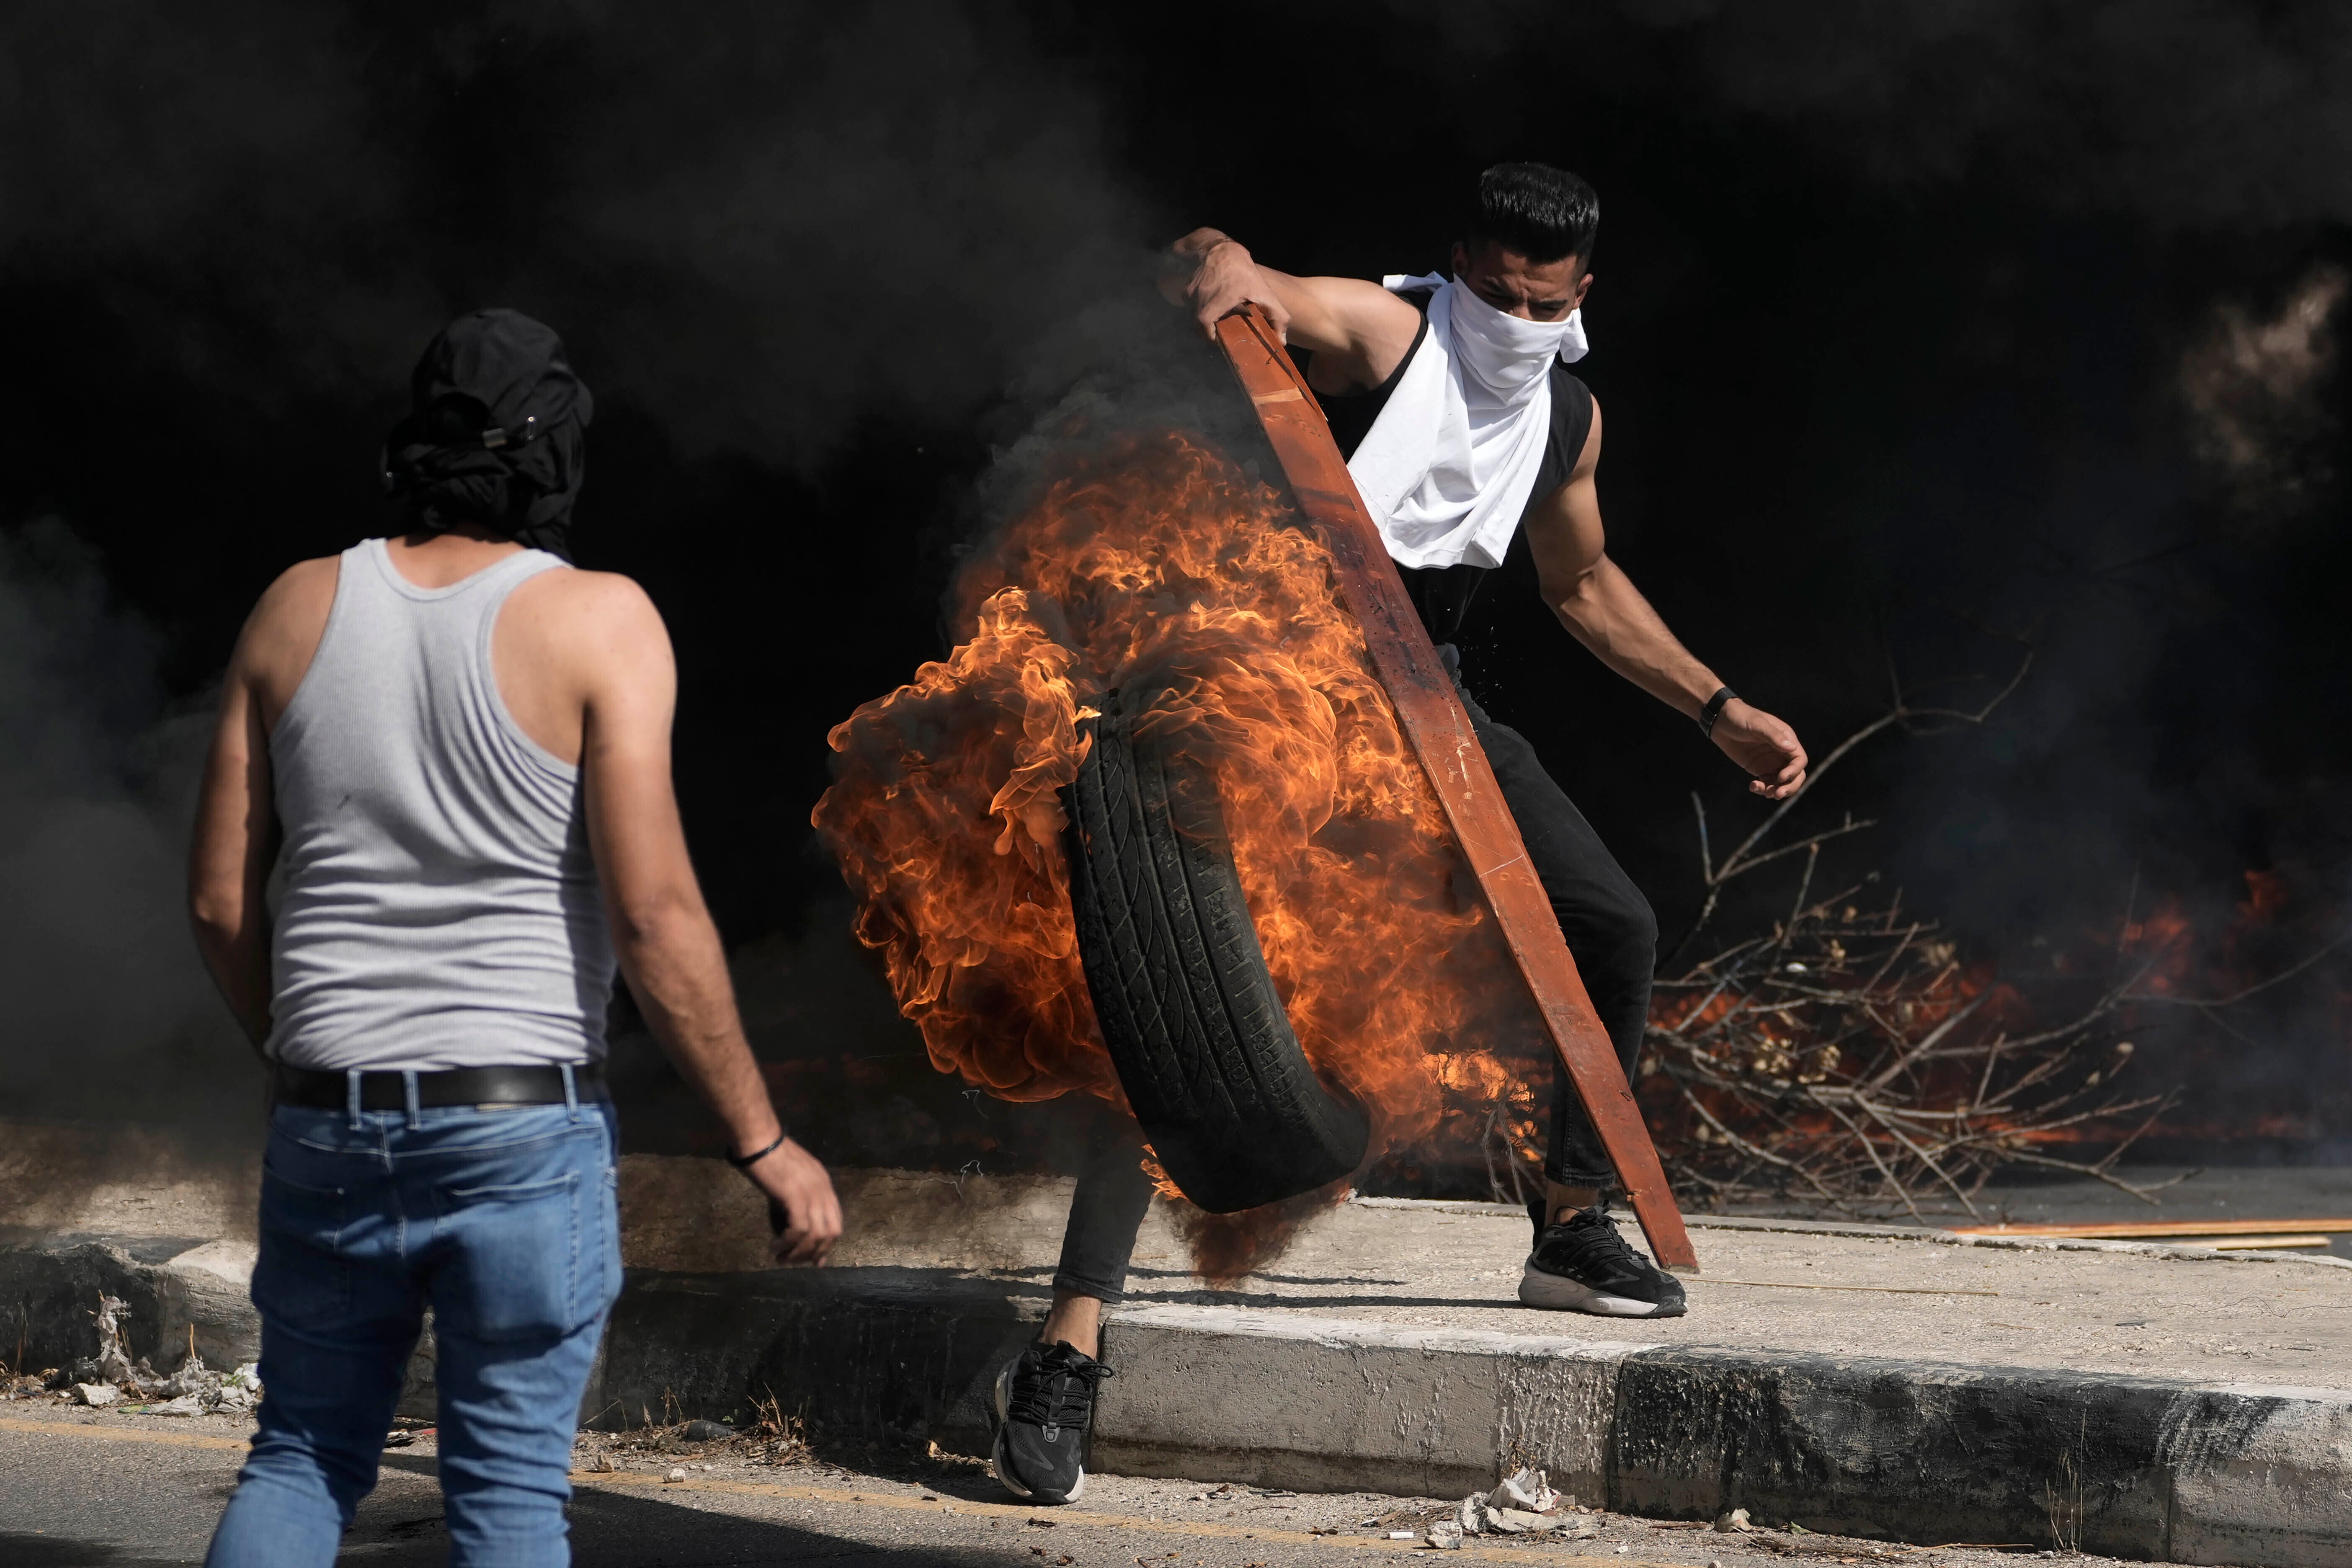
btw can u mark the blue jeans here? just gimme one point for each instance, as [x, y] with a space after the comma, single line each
[504, 1223]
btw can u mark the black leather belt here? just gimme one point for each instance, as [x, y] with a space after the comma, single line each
[379, 1091]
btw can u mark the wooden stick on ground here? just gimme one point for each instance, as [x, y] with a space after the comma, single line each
[1430, 713]
[2146, 1229]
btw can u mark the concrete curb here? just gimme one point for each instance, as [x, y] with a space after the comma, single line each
[1917, 1450]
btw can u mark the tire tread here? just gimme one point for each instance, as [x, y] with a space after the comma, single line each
[1187, 1005]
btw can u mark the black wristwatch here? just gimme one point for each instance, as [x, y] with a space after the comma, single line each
[1713, 710]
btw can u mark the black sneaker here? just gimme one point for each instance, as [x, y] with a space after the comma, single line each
[1045, 1406]
[1583, 1265]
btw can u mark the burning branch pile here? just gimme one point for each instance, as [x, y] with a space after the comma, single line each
[1848, 1056]
[1845, 1055]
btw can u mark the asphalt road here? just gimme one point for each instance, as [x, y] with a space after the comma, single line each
[80, 1488]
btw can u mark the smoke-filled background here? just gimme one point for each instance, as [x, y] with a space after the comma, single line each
[1925, 333]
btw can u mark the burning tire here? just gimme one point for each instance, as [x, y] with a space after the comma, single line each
[1187, 1010]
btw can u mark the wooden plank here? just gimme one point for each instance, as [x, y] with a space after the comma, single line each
[1431, 713]
[2142, 1229]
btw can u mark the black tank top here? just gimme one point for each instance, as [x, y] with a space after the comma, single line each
[1443, 593]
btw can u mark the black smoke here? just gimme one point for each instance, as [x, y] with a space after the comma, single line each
[108, 1009]
[1896, 330]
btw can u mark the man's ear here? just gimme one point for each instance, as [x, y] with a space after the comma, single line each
[1576, 302]
[1461, 259]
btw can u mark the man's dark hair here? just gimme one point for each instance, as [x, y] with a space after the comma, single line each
[1544, 213]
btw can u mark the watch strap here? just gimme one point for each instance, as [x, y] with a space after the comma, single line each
[1713, 710]
[745, 1162]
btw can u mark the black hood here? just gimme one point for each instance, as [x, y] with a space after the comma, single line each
[494, 433]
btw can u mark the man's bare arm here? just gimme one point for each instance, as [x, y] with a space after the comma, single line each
[662, 931]
[237, 811]
[1601, 608]
[236, 839]
[1357, 323]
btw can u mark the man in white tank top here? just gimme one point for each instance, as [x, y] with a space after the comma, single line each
[459, 747]
[1465, 431]
[1478, 434]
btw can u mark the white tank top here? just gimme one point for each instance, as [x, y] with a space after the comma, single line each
[440, 908]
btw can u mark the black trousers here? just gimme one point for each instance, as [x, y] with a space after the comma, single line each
[1106, 1212]
[1610, 932]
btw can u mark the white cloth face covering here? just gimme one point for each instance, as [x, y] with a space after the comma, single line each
[1449, 465]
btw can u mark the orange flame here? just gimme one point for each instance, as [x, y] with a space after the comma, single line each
[1157, 565]
[2165, 941]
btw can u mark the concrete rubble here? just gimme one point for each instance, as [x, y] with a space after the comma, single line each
[109, 1378]
[1522, 1503]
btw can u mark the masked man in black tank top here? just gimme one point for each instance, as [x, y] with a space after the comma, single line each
[1465, 428]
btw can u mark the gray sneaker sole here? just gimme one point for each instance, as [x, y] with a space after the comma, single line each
[1556, 1293]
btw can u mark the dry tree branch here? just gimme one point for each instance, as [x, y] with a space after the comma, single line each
[1740, 861]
